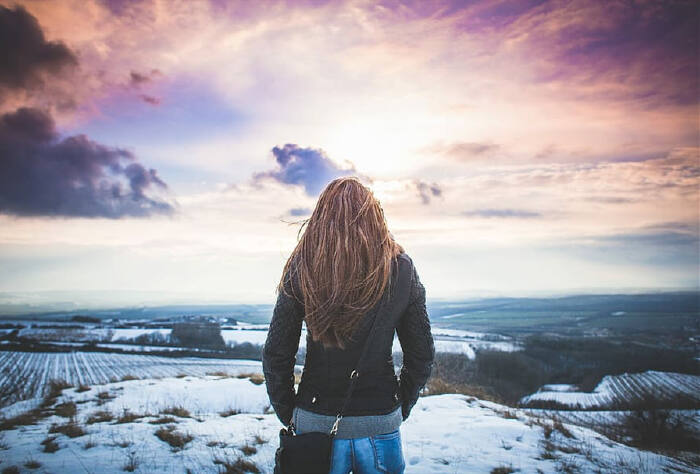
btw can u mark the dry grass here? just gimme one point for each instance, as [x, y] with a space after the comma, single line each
[180, 376]
[219, 373]
[24, 419]
[132, 462]
[50, 445]
[56, 387]
[256, 378]
[163, 420]
[70, 429]
[238, 466]
[438, 386]
[502, 470]
[174, 438]
[83, 388]
[248, 450]
[11, 470]
[507, 414]
[259, 440]
[66, 410]
[129, 377]
[104, 397]
[178, 411]
[101, 416]
[229, 412]
[128, 417]
[89, 444]
[32, 464]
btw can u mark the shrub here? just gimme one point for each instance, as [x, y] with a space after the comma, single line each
[660, 430]
[129, 377]
[11, 470]
[83, 388]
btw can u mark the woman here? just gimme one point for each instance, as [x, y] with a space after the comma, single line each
[346, 270]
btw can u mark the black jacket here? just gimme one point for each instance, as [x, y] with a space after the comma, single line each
[325, 377]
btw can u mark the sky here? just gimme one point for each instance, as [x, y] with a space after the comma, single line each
[167, 151]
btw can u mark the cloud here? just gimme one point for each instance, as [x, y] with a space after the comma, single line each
[43, 175]
[28, 60]
[465, 151]
[427, 191]
[637, 51]
[136, 79]
[150, 99]
[299, 211]
[308, 167]
[671, 243]
[502, 213]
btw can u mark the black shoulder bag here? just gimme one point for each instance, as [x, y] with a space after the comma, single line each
[310, 453]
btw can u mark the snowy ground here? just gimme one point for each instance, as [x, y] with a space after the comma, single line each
[624, 388]
[24, 375]
[444, 434]
[446, 340]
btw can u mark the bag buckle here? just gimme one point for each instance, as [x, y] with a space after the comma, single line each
[290, 428]
[354, 374]
[334, 429]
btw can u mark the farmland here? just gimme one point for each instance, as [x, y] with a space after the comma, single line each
[25, 375]
[625, 390]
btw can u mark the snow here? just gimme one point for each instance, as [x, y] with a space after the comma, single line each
[444, 434]
[558, 387]
[622, 388]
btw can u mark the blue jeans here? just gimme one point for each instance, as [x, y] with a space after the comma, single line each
[374, 454]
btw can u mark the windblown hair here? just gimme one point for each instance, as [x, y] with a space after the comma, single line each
[343, 262]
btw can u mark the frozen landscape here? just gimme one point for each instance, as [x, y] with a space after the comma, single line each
[222, 423]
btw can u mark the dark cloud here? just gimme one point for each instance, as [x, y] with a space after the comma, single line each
[43, 175]
[639, 51]
[299, 211]
[27, 59]
[136, 79]
[150, 99]
[427, 191]
[308, 167]
[502, 213]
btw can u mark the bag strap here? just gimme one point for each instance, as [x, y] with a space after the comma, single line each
[355, 373]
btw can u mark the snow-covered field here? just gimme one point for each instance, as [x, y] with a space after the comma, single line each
[446, 340]
[24, 375]
[444, 434]
[620, 389]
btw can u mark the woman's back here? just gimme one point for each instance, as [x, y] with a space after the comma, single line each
[338, 329]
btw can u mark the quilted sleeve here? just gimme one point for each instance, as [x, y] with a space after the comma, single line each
[279, 354]
[417, 345]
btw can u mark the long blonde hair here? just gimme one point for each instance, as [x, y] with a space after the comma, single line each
[343, 261]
